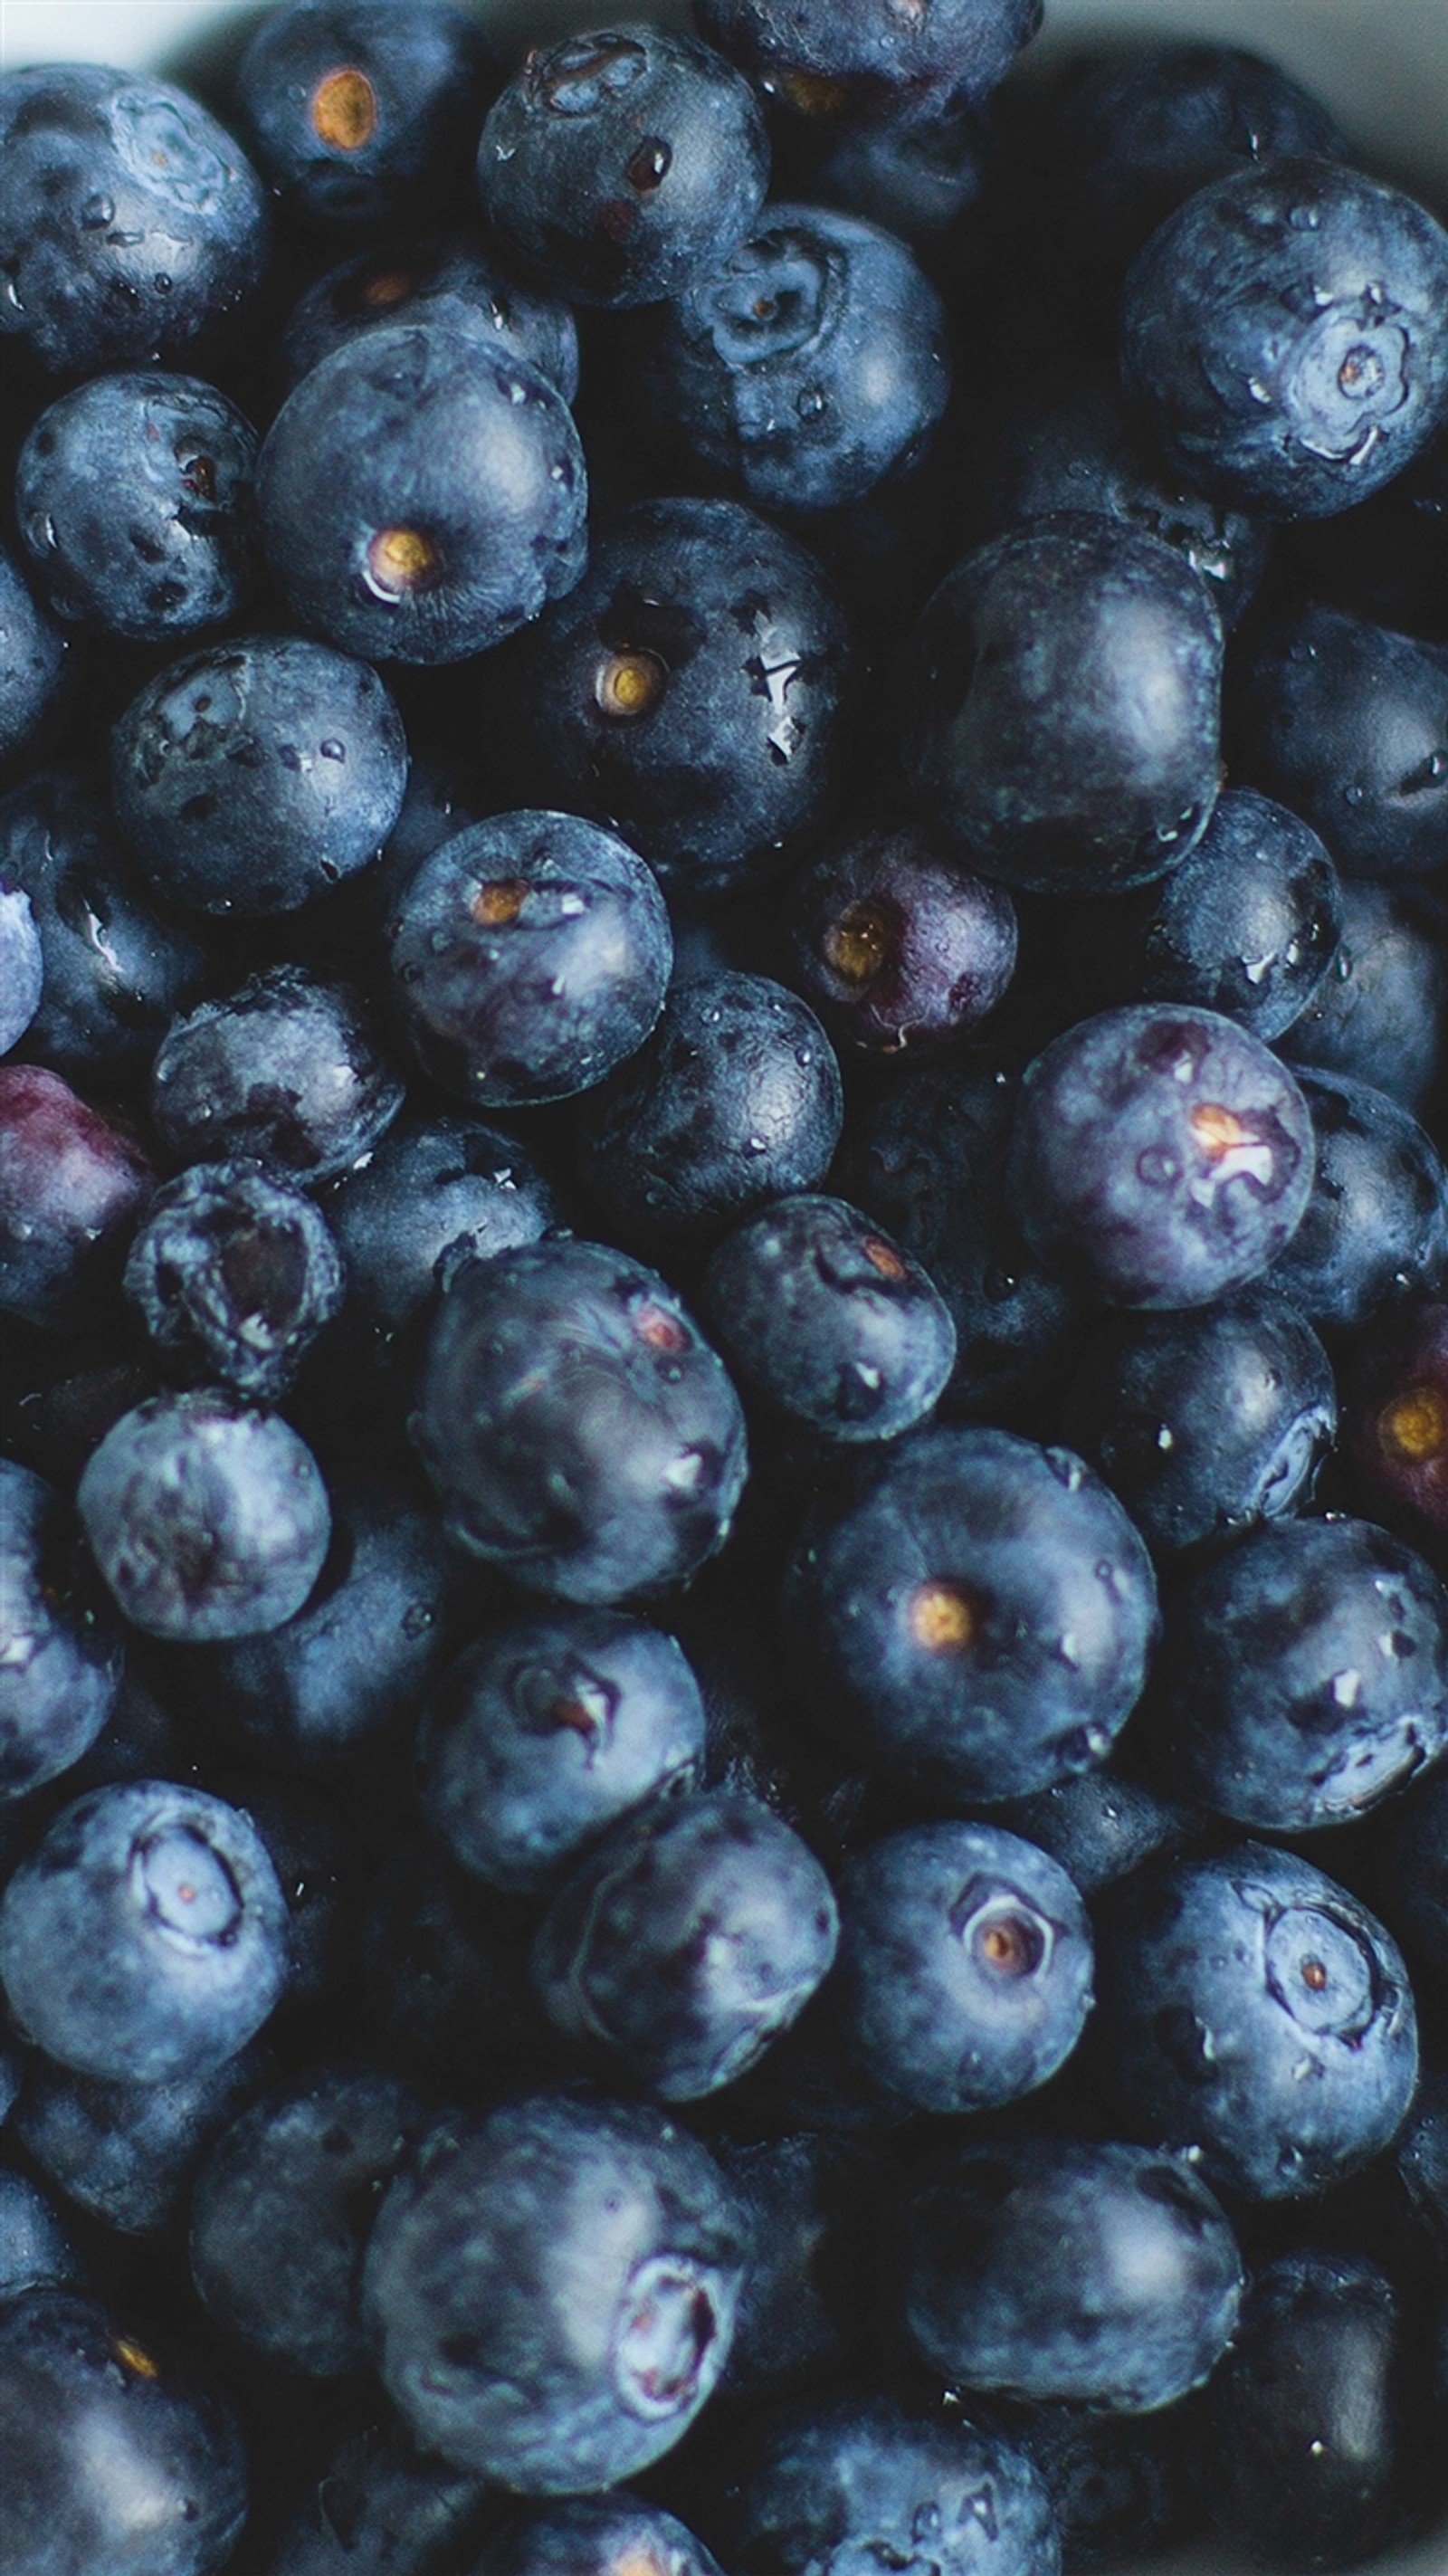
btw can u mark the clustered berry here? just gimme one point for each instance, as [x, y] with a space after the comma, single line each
[724, 1514]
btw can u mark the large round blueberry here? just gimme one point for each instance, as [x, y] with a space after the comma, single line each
[1161, 1157]
[130, 222]
[1286, 333]
[286, 1072]
[439, 277]
[895, 945]
[134, 495]
[60, 1650]
[422, 494]
[529, 956]
[1348, 722]
[432, 1194]
[551, 2291]
[1376, 1224]
[617, 165]
[72, 1187]
[1305, 1675]
[360, 113]
[1395, 1428]
[146, 1939]
[861, 62]
[1066, 712]
[206, 1519]
[1043, 2268]
[127, 2154]
[979, 1617]
[576, 1425]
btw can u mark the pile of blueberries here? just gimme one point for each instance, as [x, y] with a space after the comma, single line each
[724, 1667]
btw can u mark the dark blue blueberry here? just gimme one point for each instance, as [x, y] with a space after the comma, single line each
[546, 1731]
[979, 1617]
[964, 1970]
[22, 961]
[116, 971]
[577, 1427]
[252, 777]
[61, 1654]
[610, 2535]
[351, 1666]
[895, 946]
[422, 494]
[145, 1940]
[445, 1979]
[1045, 2268]
[928, 1157]
[1118, 2482]
[235, 1277]
[282, 2207]
[845, 2483]
[127, 2153]
[286, 1073]
[1285, 333]
[1100, 1825]
[358, 112]
[617, 166]
[1161, 1156]
[1379, 1013]
[1395, 1418]
[1253, 2012]
[77, 2388]
[863, 62]
[1207, 1422]
[1248, 925]
[134, 495]
[915, 178]
[1304, 1675]
[551, 2291]
[805, 365]
[1064, 718]
[736, 1100]
[130, 222]
[827, 1322]
[1376, 1223]
[1349, 724]
[35, 2252]
[72, 1187]
[381, 2508]
[692, 691]
[529, 957]
[692, 1937]
[807, 2307]
[1135, 132]
[433, 277]
[1310, 2447]
[1415, 1849]
[206, 1518]
[33, 660]
[432, 1194]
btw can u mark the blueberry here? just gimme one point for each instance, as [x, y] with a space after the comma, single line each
[1395, 1428]
[529, 957]
[979, 1617]
[439, 277]
[964, 1971]
[1161, 1157]
[433, 1193]
[1065, 710]
[578, 1429]
[895, 946]
[1304, 1675]
[1285, 333]
[1349, 723]
[130, 222]
[1378, 1015]
[846, 2482]
[35, 2252]
[286, 1072]
[1048, 2268]
[735, 1101]
[1376, 1224]
[72, 1186]
[145, 1940]
[76, 2385]
[235, 1277]
[116, 970]
[617, 166]
[829, 1324]
[357, 114]
[22, 961]
[547, 1730]
[422, 494]
[1251, 2011]
[861, 64]
[807, 363]
[686, 1942]
[61, 1654]
[1100, 1825]
[381, 2508]
[595, 2536]
[1208, 1422]
[691, 691]
[551, 2291]
[34, 658]
[806, 2309]
[134, 496]
[127, 2153]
